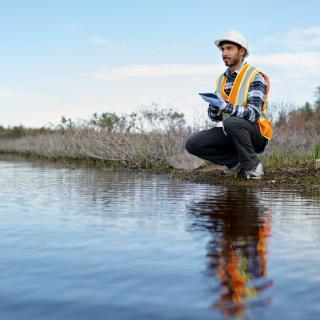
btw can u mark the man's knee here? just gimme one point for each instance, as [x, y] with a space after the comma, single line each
[195, 144]
[191, 145]
[232, 124]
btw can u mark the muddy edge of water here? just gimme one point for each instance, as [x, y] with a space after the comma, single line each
[300, 178]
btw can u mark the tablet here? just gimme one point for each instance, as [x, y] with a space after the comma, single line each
[208, 97]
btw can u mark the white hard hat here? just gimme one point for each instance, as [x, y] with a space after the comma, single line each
[236, 37]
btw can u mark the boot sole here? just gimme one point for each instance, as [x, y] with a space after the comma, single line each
[253, 178]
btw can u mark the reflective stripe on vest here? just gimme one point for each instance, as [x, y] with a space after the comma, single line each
[239, 94]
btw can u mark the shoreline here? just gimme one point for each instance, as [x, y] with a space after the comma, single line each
[294, 177]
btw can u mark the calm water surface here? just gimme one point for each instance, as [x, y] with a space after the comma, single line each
[88, 244]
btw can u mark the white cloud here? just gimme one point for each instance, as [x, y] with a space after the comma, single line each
[294, 77]
[297, 63]
[97, 40]
[8, 92]
[147, 71]
[288, 64]
[296, 39]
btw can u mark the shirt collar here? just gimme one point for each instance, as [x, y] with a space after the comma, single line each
[228, 71]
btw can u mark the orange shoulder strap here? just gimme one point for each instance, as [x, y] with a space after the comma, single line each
[233, 96]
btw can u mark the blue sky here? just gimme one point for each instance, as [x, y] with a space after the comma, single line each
[74, 58]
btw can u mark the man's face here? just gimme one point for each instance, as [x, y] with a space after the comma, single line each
[231, 54]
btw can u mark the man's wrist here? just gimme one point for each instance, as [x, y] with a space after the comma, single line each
[228, 108]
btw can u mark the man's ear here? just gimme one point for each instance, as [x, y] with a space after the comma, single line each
[242, 51]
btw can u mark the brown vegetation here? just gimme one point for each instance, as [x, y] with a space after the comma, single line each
[149, 138]
[139, 140]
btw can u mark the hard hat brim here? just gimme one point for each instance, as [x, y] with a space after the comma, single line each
[218, 41]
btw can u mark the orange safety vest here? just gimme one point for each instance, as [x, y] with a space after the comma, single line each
[239, 94]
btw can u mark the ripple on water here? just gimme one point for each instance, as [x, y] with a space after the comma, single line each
[131, 245]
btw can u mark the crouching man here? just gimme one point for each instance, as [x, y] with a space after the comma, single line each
[242, 93]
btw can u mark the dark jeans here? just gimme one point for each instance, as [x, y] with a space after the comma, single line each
[241, 144]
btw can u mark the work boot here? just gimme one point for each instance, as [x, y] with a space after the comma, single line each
[227, 172]
[255, 173]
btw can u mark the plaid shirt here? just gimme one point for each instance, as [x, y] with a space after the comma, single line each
[256, 97]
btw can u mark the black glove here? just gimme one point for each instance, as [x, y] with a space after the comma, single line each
[214, 113]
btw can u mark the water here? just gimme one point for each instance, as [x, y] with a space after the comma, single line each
[90, 244]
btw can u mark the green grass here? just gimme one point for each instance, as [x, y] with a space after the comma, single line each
[280, 158]
[316, 150]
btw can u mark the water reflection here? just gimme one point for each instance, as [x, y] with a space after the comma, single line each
[239, 227]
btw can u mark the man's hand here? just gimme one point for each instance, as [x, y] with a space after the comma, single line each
[219, 102]
[214, 113]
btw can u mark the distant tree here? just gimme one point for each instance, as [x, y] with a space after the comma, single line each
[317, 102]
[282, 120]
[18, 131]
[307, 111]
[66, 123]
[107, 121]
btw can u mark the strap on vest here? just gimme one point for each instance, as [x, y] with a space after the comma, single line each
[239, 94]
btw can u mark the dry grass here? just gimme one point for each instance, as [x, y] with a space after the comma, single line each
[145, 149]
[292, 147]
[150, 138]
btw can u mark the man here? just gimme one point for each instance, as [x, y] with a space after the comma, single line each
[242, 93]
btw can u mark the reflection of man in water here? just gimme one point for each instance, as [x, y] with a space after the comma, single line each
[240, 227]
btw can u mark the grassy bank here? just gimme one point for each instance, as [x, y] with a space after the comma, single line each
[149, 139]
[144, 140]
[303, 178]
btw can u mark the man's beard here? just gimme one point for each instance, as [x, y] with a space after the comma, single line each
[232, 62]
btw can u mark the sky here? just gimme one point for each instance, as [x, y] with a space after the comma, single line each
[74, 58]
